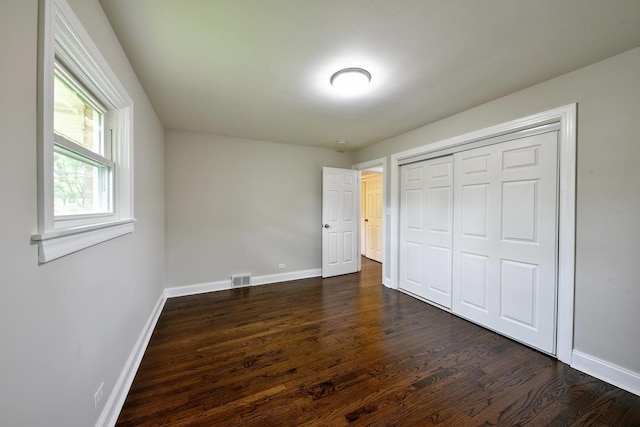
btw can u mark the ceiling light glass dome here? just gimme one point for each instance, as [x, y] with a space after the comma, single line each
[351, 81]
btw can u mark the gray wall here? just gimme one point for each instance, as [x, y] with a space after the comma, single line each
[236, 205]
[68, 325]
[242, 206]
[607, 289]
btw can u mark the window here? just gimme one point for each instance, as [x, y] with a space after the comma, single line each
[82, 165]
[85, 138]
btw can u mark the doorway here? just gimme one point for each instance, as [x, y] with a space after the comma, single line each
[371, 171]
[371, 214]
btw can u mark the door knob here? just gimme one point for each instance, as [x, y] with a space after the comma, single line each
[326, 226]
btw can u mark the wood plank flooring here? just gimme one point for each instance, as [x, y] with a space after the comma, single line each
[348, 351]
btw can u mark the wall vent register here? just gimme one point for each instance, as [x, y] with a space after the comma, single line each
[241, 280]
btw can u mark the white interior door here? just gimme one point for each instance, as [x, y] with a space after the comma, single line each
[426, 219]
[505, 239]
[340, 201]
[373, 217]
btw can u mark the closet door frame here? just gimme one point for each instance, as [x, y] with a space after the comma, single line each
[566, 117]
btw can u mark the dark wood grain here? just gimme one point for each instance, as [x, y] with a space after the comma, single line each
[348, 351]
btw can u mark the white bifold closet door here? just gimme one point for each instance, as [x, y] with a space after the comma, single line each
[478, 235]
[426, 219]
[505, 238]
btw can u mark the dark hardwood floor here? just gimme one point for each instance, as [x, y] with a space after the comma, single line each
[348, 351]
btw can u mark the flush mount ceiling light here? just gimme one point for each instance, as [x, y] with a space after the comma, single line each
[350, 81]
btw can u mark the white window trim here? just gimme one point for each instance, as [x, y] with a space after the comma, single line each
[62, 36]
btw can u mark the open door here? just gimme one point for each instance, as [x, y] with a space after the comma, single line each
[340, 201]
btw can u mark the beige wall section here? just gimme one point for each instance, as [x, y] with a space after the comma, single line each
[242, 206]
[68, 325]
[608, 192]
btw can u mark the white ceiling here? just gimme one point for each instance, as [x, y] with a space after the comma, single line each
[260, 69]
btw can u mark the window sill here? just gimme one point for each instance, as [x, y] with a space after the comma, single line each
[58, 243]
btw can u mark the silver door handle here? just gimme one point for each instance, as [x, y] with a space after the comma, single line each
[327, 226]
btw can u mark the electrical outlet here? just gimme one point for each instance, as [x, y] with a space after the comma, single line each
[282, 265]
[97, 397]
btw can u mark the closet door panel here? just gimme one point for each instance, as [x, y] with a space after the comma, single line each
[426, 223]
[411, 228]
[505, 234]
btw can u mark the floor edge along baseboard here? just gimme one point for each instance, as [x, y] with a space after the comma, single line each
[222, 285]
[113, 406]
[606, 371]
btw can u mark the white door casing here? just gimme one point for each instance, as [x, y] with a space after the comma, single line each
[505, 239]
[426, 203]
[373, 217]
[340, 203]
[363, 210]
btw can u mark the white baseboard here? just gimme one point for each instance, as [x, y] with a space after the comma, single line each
[608, 372]
[200, 288]
[113, 406]
[286, 277]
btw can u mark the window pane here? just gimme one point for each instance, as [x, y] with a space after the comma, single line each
[75, 118]
[80, 185]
